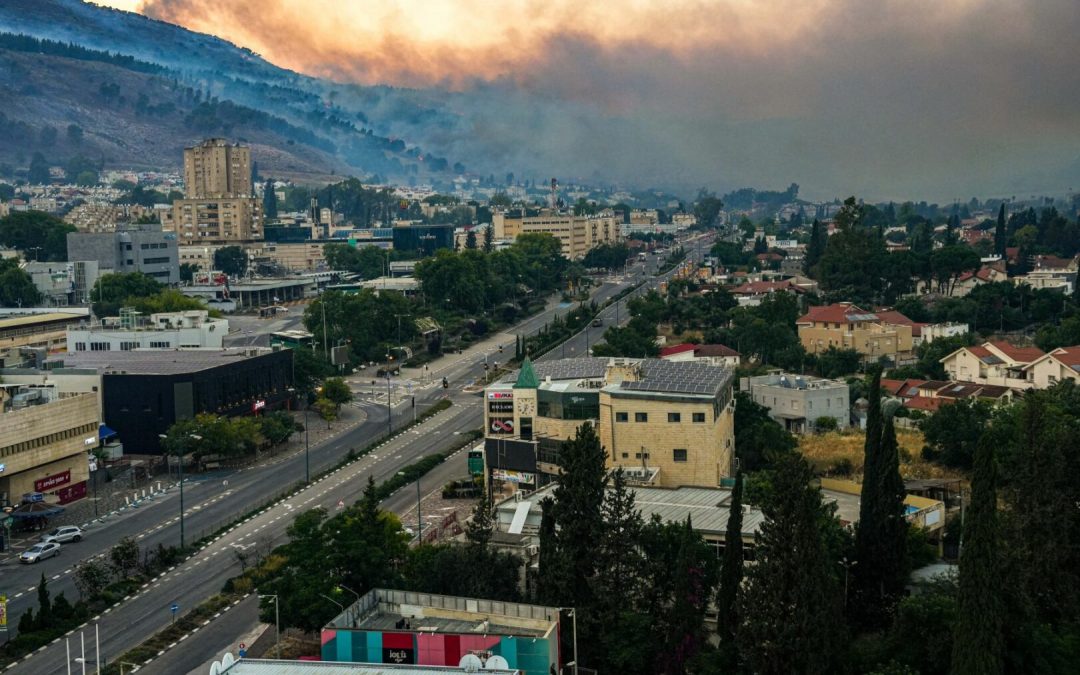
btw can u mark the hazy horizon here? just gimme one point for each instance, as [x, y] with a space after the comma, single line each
[917, 99]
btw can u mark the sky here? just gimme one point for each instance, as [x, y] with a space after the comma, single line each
[935, 99]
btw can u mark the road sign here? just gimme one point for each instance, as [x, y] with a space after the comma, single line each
[3, 613]
[174, 608]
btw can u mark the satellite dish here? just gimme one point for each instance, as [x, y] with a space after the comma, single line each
[227, 660]
[497, 663]
[470, 663]
[215, 668]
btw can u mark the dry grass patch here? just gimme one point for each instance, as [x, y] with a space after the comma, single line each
[828, 451]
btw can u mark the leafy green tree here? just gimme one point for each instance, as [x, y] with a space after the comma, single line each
[44, 619]
[124, 557]
[470, 240]
[91, 578]
[977, 648]
[270, 209]
[731, 576]
[881, 534]
[74, 134]
[949, 262]
[791, 607]
[38, 173]
[549, 582]
[835, 362]
[16, 287]
[952, 433]
[231, 260]
[327, 409]
[707, 208]
[308, 369]
[113, 291]
[815, 248]
[489, 239]
[481, 526]
[851, 266]
[337, 390]
[758, 437]
[39, 235]
[187, 272]
[47, 137]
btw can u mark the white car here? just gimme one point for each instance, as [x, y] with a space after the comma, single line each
[65, 534]
[37, 552]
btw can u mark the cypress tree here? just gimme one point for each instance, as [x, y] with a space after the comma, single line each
[731, 575]
[269, 200]
[791, 603]
[489, 238]
[977, 636]
[1000, 233]
[470, 239]
[548, 590]
[685, 620]
[880, 538]
[481, 526]
[44, 616]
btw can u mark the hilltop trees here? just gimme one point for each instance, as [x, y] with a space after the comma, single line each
[39, 235]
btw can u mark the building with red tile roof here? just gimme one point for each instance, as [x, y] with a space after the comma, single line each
[996, 362]
[847, 326]
[717, 355]
[1055, 366]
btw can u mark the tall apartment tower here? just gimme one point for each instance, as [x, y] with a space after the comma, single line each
[216, 168]
[219, 206]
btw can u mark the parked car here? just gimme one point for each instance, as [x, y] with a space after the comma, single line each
[45, 549]
[65, 534]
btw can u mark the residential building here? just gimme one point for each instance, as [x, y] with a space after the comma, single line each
[167, 330]
[144, 392]
[923, 512]
[287, 258]
[144, 248]
[24, 336]
[216, 168]
[399, 627]
[752, 293]
[44, 440]
[846, 326]
[928, 332]
[216, 220]
[996, 362]
[714, 355]
[64, 283]
[989, 273]
[1052, 279]
[797, 402]
[667, 424]
[1055, 366]
[577, 234]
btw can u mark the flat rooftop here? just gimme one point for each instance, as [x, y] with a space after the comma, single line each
[23, 320]
[392, 610]
[157, 361]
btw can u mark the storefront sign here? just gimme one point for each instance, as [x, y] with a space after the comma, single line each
[500, 395]
[502, 426]
[501, 406]
[53, 481]
[513, 476]
[258, 405]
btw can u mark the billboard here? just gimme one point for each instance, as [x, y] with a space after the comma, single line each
[339, 356]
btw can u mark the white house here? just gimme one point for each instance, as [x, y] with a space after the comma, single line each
[1060, 364]
[998, 363]
[166, 330]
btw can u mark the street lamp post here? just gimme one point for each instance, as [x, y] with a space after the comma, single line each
[346, 588]
[573, 615]
[180, 474]
[277, 623]
[419, 522]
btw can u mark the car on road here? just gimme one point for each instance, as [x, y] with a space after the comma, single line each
[597, 322]
[41, 551]
[65, 534]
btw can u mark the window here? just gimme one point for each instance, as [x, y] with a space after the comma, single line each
[679, 454]
[699, 418]
[674, 417]
[625, 455]
[159, 345]
[144, 246]
[80, 346]
[128, 346]
[622, 417]
[641, 417]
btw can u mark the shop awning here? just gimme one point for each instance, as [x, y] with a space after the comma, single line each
[105, 432]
